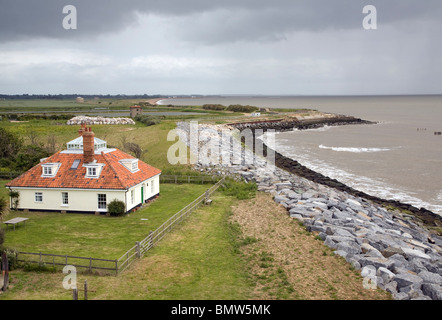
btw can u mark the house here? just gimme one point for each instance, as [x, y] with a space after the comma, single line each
[135, 111]
[85, 178]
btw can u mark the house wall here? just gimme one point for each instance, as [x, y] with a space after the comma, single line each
[86, 200]
[79, 200]
[148, 192]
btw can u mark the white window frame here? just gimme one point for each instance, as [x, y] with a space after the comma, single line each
[100, 201]
[38, 197]
[130, 164]
[49, 170]
[132, 196]
[64, 198]
[93, 171]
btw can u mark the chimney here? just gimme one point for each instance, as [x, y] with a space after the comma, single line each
[88, 145]
[81, 130]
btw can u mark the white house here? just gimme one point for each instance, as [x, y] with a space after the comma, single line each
[85, 178]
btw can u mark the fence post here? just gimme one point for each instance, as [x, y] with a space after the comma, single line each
[150, 242]
[137, 249]
[85, 289]
[90, 264]
[75, 294]
[116, 267]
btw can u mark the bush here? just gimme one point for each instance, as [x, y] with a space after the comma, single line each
[12, 258]
[241, 108]
[218, 107]
[147, 120]
[116, 208]
[2, 237]
[239, 189]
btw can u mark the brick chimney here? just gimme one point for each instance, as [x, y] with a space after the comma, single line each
[88, 145]
[81, 130]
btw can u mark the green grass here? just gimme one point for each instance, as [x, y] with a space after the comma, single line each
[97, 236]
[196, 261]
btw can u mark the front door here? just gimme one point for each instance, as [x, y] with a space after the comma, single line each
[142, 194]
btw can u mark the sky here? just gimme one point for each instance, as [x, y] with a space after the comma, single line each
[174, 47]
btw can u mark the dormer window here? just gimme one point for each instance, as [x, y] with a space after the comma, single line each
[130, 164]
[49, 169]
[93, 170]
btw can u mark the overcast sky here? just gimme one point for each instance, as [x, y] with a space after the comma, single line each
[306, 47]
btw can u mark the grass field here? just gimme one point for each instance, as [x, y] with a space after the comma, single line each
[103, 237]
[232, 249]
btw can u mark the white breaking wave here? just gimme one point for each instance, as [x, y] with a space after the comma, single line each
[374, 187]
[355, 150]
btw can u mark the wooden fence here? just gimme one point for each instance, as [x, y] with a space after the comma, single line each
[55, 260]
[141, 247]
[9, 175]
[178, 179]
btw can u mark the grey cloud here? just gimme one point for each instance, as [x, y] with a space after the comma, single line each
[203, 21]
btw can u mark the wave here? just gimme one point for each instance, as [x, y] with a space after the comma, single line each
[353, 149]
[375, 187]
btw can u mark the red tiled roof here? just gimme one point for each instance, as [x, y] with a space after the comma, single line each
[114, 175]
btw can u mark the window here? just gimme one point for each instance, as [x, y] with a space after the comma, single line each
[47, 171]
[64, 198]
[50, 169]
[75, 164]
[102, 201]
[130, 164]
[38, 197]
[92, 171]
[152, 188]
[132, 196]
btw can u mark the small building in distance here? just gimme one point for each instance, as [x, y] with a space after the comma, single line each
[135, 111]
[79, 100]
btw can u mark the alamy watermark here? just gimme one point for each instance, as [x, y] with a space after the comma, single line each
[370, 21]
[70, 20]
[70, 281]
[209, 146]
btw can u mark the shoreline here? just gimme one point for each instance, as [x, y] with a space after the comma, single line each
[396, 251]
[429, 218]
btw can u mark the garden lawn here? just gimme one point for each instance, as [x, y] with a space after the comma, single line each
[196, 261]
[94, 236]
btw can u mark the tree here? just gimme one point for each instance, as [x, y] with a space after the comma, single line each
[29, 156]
[10, 144]
[132, 147]
[3, 207]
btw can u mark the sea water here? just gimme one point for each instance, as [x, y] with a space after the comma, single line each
[399, 157]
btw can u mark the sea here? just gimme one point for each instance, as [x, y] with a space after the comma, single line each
[399, 157]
